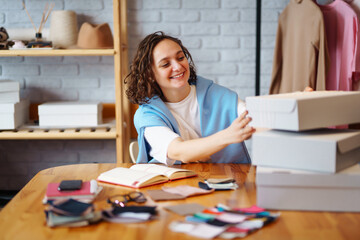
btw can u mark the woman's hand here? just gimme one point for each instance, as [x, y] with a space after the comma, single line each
[308, 89]
[239, 130]
[200, 149]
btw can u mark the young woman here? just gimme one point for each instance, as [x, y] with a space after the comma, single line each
[183, 117]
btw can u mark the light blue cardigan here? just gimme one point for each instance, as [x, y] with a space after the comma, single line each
[218, 109]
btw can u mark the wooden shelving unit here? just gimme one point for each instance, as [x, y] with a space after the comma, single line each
[57, 52]
[120, 131]
[60, 133]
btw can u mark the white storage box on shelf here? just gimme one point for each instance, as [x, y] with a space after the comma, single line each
[70, 114]
[325, 150]
[13, 115]
[9, 91]
[285, 189]
[9, 86]
[304, 110]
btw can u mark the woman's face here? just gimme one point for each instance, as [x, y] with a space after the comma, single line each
[170, 66]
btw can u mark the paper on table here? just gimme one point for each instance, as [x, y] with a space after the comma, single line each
[204, 230]
[183, 227]
[253, 224]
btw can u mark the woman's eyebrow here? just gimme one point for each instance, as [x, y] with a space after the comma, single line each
[166, 58]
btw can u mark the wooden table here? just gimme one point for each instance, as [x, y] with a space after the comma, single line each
[23, 217]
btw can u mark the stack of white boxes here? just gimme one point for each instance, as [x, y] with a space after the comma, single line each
[13, 112]
[303, 162]
[70, 114]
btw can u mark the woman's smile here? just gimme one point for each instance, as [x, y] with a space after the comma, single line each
[178, 76]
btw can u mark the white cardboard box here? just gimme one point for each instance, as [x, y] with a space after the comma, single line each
[326, 150]
[9, 86]
[13, 115]
[70, 114]
[9, 97]
[304, 110]
[285, 189]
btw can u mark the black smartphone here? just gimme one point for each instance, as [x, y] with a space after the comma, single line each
[70, 185]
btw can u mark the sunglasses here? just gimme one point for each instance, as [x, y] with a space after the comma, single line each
[122, 199]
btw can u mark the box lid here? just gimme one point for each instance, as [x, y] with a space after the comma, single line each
[287, 102]
[9, 86]
[351, 142]
[346, 139]
[12, 107]
[270, 104]
[56, 108]
[349, 177]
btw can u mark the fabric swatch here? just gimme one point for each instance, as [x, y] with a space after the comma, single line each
[231, 218]
[160, 195]
[186, 190]
[186, 209]
[252, 209]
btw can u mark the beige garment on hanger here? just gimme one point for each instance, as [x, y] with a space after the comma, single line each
[300, 56]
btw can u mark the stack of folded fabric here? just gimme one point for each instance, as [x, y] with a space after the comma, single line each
[223, 222]
[13, 112]
[71, 213]
[87, 193]
[129, 214]
[304, 161]
[221, 184]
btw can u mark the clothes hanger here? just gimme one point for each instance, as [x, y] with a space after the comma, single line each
[324, 2]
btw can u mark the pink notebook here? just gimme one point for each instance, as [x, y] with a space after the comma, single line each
[52, 190]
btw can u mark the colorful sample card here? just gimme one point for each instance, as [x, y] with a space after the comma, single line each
[224, 222]
[252, 209]
[231, 218]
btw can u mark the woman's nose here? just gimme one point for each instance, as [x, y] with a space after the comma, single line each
[176, 66]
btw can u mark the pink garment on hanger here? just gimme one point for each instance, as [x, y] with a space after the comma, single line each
[355, 5]
[341, 24]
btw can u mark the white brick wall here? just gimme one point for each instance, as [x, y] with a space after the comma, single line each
[220, 35]
[269, 16]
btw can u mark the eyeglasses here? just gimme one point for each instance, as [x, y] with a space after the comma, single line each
[122, 199]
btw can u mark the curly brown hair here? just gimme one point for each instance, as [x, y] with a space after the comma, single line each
[141, 81]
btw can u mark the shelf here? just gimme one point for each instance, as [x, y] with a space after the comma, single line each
[57, 52]
[119, 130]
[60, 133]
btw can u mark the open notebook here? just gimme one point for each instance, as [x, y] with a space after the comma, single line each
[143, 175]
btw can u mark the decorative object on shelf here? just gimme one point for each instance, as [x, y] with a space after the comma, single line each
[18, 44]
[63, 29]
[39, 42]
[26, 34]
[94, 37]
[3, 38]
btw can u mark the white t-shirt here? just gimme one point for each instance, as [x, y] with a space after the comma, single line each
[187, 116]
